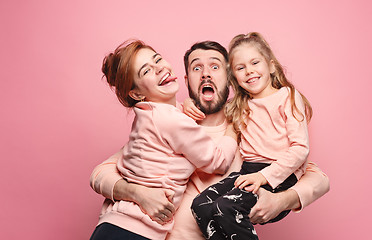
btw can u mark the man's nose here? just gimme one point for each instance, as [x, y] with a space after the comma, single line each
[206, 74]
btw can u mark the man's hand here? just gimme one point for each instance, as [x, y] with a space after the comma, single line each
[157, 203]
[269, 205]
[254, 180]
[191, 110]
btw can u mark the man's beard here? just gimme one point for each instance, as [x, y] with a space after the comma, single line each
[210, 107]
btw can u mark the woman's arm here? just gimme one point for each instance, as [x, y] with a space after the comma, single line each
[107, 181]
[311, 186]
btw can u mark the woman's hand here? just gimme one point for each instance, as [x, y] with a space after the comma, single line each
[254, 180]
[191, 110]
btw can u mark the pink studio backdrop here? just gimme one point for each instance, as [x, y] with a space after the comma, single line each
[59, 119]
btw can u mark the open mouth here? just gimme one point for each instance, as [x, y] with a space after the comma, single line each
[207, 91]
[167, 78]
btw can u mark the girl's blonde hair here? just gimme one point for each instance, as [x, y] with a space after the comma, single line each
[237, 109]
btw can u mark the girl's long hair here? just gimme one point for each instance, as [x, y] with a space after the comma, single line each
[237, 109]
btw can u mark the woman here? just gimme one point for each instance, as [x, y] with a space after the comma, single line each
[165, 146]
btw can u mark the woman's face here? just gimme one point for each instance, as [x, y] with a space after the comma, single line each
[153, 78]
[252, 71]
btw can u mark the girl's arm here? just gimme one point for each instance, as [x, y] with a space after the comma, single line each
[311, 186]
[295, 156]
[107, 181]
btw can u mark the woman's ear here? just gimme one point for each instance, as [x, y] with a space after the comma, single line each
[136, 95]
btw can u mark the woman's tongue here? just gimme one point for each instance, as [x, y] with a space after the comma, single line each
[169, 79]
[208, 94]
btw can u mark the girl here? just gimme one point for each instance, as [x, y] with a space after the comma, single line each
[271, 118]
[165, 146]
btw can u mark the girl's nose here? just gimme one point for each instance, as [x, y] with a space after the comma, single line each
[248, 70]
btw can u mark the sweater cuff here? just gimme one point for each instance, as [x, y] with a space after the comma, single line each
[304, 194]
[110, 183]
[272, 181]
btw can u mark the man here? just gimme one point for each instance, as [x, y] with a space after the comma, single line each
[206, 79]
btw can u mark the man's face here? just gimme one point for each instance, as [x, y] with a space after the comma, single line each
[207, 80]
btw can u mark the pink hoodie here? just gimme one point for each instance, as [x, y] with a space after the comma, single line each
[165, 147]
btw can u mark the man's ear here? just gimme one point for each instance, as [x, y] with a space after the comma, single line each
[186, 81]
[136, 95]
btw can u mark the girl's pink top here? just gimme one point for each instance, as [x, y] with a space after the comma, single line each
[273, 135]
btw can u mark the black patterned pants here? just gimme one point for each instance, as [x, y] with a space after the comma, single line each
[222, 210]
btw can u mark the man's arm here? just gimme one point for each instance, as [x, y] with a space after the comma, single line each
[311, 186]
[107, 181]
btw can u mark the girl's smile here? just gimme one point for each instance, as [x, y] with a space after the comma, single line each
[252, 71]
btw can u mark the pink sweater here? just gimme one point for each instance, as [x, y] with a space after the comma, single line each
[165, 147]
[274, 136]
[310, 187]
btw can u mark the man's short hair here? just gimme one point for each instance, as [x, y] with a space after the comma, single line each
[205, 45]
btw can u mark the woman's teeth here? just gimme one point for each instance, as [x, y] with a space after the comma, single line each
[164, 78]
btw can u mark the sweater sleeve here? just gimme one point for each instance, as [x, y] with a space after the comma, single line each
[296, 155]
[311, 186]
[105, 175]
[189, 139]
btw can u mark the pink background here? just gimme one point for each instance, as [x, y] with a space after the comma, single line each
[59, 119]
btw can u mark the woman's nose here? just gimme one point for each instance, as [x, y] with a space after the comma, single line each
[159, 69]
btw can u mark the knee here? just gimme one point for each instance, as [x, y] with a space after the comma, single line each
[223, 206]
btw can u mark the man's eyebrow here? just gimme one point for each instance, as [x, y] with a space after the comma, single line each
[216, 58]
[211, 58]
[195, 59]
[144, 65]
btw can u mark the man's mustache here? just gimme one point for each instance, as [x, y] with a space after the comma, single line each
[207, 81]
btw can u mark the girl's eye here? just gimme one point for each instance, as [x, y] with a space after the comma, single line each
[196, 68]
[215, 67]
[239, 68]
[158, 60]
[255, 62]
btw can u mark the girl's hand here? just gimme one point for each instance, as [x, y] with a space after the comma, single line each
[191, 110]
[254, 180]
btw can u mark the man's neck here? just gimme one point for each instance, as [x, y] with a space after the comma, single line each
[214, 119]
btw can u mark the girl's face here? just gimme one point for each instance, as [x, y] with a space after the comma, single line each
[153, 78]
[252, 70]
